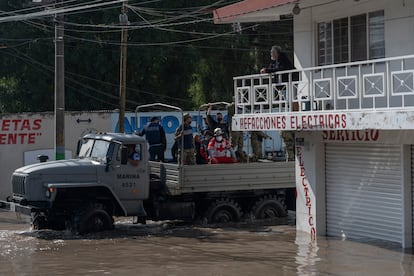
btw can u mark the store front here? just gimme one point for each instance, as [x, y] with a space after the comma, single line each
[359, 189]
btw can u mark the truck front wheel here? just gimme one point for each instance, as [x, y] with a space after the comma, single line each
[222, 211]
[39, 222]
[95, 220]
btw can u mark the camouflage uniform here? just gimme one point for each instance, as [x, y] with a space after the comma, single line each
[289, 139]
[237, 141]
[256, 138]
[236, 137]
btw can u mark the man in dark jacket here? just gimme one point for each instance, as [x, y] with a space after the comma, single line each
[279, 62]
[155, 136]
[219, 123]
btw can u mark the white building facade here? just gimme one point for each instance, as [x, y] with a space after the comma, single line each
[350, 104]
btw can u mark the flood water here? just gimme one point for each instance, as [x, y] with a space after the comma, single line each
[171, 248]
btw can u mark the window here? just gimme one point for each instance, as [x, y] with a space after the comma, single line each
[341, 40]
[358, 38]
[376, 35]
[355, 38]
[100, 149]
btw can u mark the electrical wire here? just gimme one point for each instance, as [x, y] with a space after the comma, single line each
[129, 88]
[39, 66]
[73, 80]
[55, 11]
[158, 43]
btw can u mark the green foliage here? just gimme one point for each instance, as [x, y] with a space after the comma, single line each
[169, 64]
[8, 89]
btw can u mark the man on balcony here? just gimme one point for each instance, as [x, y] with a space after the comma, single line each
[278, 61]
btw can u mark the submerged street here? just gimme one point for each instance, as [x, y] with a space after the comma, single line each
[170, 248]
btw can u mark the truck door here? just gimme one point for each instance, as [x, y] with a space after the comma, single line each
[131, 180]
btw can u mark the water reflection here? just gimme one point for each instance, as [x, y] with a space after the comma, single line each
[341, 257]
[170, 248]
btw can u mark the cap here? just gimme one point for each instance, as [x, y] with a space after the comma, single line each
[207, 132]
[186, 115]
[218, 131]
[154, 118]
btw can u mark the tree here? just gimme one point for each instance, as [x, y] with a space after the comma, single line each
[178, 58]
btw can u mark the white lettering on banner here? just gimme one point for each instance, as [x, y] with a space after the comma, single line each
[291, 122]
[351, 135]
[305, 187]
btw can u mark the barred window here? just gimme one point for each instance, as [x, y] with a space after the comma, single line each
[354, 38]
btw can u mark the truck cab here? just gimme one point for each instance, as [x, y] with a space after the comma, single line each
[128, 180]
[84, 193]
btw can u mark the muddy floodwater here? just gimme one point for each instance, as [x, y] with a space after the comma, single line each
[172, 248]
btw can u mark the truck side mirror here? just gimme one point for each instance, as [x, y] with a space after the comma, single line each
[124, 155]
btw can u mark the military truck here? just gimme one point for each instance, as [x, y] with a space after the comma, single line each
[86, 193]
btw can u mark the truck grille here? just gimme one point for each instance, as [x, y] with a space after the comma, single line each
[18, 182]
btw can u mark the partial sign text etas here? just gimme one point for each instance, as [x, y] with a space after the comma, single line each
[20, 131]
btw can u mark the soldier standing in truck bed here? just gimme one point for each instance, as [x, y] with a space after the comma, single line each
[184, 137]
[256, 139]
[289, 139]
[236, 137]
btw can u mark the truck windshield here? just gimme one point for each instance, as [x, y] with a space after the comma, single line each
[86, 148]
[96, 149]
[100, 149]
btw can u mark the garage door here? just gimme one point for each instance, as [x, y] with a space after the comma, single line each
[412, 190]
[364, 191]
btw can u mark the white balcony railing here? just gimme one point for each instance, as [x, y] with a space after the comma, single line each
[379, 84]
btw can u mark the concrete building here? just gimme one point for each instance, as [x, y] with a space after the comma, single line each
[351, 110]
[25, 136]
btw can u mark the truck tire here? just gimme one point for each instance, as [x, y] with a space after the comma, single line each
[94, 220]
[268, 207]
[39, 222]
[223, 210]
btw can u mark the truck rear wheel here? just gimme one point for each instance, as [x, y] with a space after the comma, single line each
[223, 210]
[95, 220]
[268, 207]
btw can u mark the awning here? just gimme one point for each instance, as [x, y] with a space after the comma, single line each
[253, 11]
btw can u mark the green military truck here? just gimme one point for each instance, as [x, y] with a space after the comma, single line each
[86, 193]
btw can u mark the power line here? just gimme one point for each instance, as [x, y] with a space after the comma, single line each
[51, 69]
[55, 11]
[158, 43]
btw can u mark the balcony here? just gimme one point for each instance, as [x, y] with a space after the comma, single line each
[374, 94]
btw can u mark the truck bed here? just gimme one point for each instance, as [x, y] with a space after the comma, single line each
[224, 177]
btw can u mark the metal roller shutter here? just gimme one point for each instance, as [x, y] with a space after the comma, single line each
[364, 191]
[412, 190]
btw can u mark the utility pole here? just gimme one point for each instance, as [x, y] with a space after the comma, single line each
[59, 67]
[59, 87]
[123, 20]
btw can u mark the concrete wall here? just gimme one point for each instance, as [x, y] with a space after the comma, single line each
[399, 25]
[24, 136]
